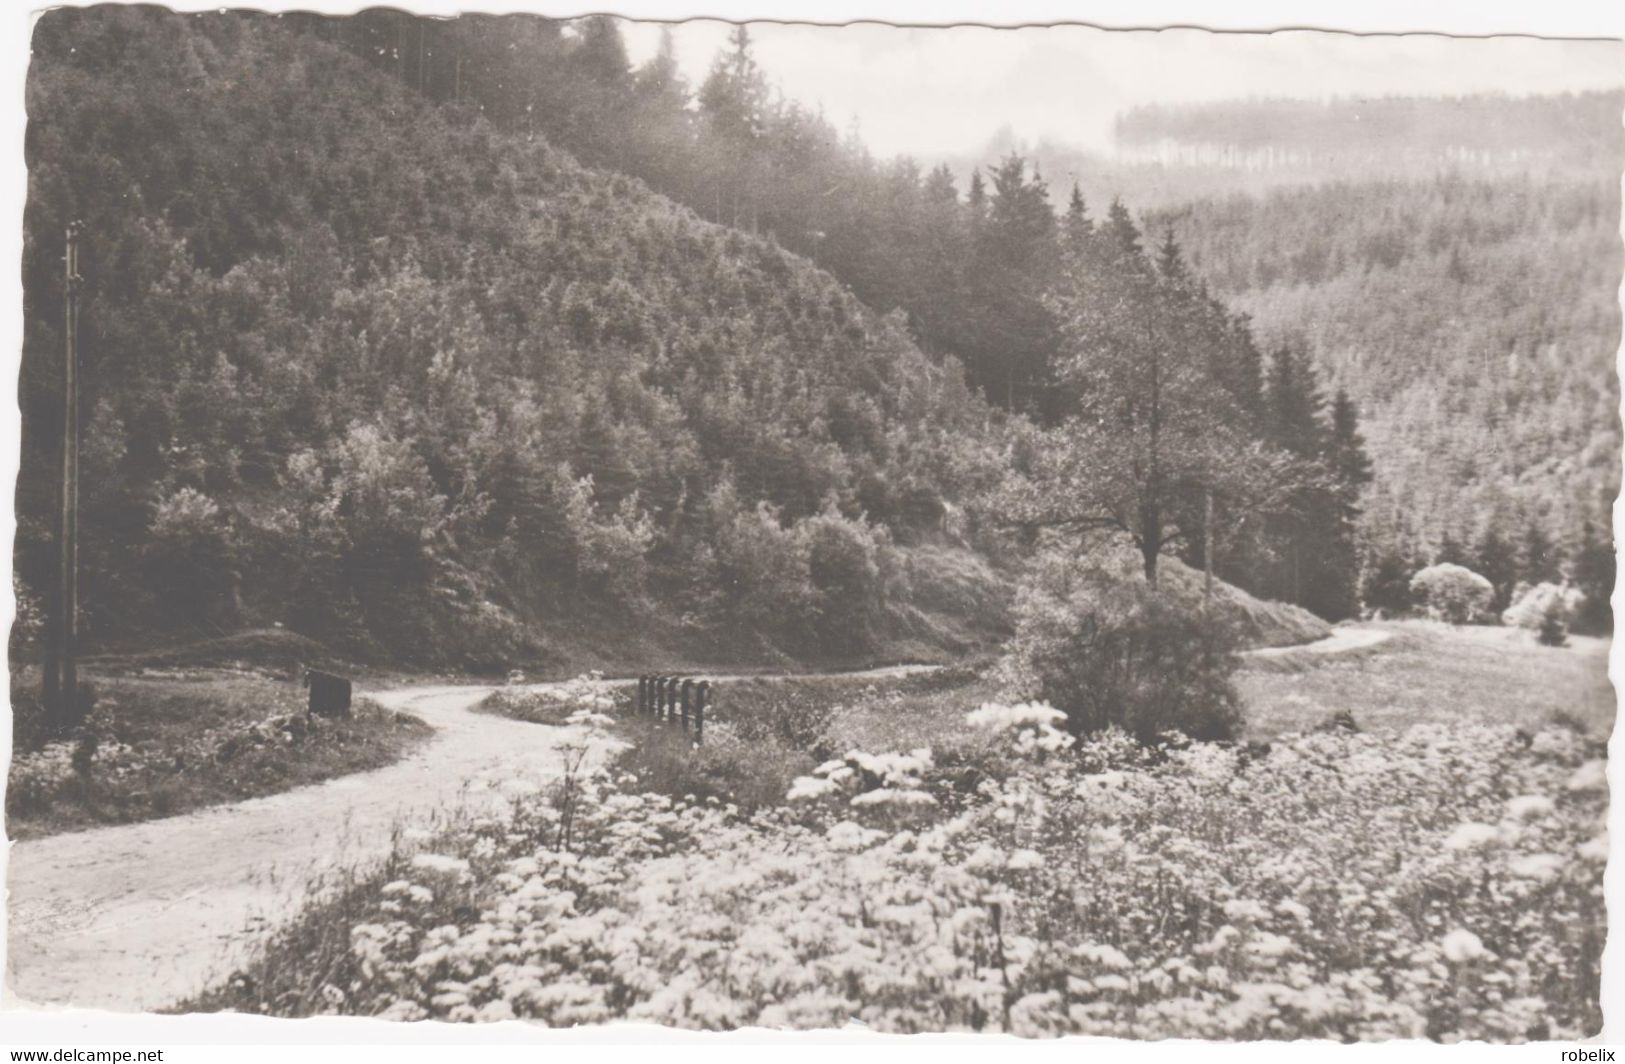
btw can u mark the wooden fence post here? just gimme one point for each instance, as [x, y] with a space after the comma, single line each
[702, 695]
[687, 692]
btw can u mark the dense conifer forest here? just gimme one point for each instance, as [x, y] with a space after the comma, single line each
[1474, 321]
[390, 375]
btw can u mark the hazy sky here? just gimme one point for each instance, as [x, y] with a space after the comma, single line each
[936, 91]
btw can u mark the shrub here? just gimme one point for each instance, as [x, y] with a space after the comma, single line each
[844, 559]
[611, 550]
[1532, 605]
[1097, 642]
[762, 566]
[1452, 592]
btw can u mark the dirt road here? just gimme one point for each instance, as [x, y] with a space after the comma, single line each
[1343, 640]
[137, 916]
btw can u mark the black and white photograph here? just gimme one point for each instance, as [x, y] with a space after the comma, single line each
[537, 520]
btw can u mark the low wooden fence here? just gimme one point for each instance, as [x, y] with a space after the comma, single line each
[675, 700]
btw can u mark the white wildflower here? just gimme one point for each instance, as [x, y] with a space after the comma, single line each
[888, 796]
[1471, 836]
[439, 864]
[807, 788]
[1530, 806]
[1461, 946]
[1536, 866]
[1591, 776]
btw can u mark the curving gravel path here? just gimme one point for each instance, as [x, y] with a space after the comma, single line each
[137, 916]
[1341, 641]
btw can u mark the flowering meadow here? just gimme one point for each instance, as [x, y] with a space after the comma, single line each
[1442, 882]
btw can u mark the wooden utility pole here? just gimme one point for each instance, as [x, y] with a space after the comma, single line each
[61, 680]
[1207, 546]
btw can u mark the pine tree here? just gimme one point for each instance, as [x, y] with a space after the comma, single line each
[1243, 364]
[1349, 461]
[1077, 227]
[1171, 260]
[1333, 570]
[663, 152]
[1594, 568]
[1295, 404]
[1496, 560]
[1386, 582]
[1122, 231]
[976, 199]
[600, 88]
[1451, 551]
[733, 105]
[1541, 556]
[1014, 262]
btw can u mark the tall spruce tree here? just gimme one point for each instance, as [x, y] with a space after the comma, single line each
[1495, 558]
[1541, 556]
[1077, 227]
[1594, 570]
[1452, 551]
[1385, 582]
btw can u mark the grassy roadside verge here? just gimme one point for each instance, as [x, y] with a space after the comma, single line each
[763, 732]
[169, 741]
[1429, 672]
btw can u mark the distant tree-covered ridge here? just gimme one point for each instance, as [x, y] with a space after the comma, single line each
[1476, 323]
[1389, 136]
[391, 374]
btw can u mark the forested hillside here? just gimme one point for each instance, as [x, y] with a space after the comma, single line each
[398, 378]
[1474, 321]
[1451, 263]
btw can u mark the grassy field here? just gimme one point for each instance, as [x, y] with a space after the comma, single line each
[1435, 673]
[170, 741]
